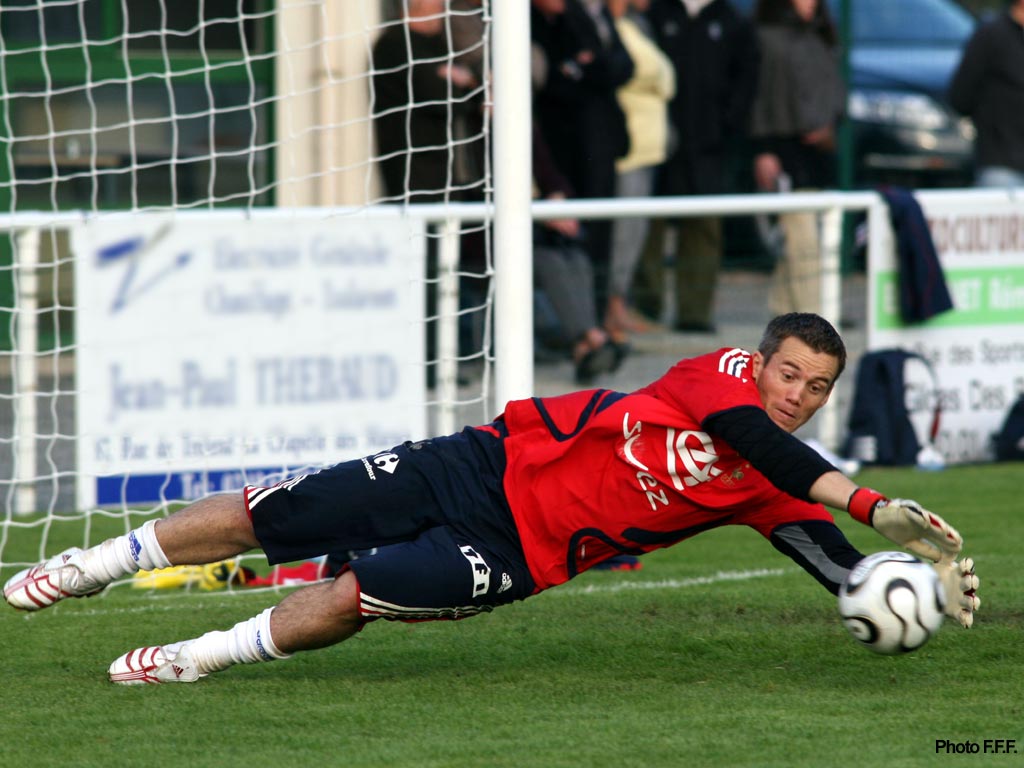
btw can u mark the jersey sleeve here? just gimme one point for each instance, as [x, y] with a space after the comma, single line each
[786, 461]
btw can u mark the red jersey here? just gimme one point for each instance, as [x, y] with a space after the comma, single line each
[597, 473]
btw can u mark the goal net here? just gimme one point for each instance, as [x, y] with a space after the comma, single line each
[235, 247]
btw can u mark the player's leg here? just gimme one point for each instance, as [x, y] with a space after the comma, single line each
[443, 574]
[313, 617]
[208, 530]
[294, 520]
[214, 528]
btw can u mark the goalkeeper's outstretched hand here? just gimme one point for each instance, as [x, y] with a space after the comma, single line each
[906, 523]
[960, 584]
[927, 535]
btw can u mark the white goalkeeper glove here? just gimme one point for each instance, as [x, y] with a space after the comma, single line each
[927, 535]
[906, 523]
[960, 584]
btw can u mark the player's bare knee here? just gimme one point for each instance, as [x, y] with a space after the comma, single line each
[212, 528]
[344, 598]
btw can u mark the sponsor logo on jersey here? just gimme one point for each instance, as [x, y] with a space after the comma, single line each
[690, 458]
[697, 453]
[648, 483]
[481, 570]
[734, 362]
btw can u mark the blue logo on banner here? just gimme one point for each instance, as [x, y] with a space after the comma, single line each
[132, 250]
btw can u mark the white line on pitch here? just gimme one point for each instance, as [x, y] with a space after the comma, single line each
[695, 581]
[171, 602]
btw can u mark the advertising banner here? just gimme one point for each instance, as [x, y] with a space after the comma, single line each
[977, 349]
[213, 352]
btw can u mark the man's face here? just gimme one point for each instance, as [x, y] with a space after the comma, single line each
[794, 383]
[426, 17]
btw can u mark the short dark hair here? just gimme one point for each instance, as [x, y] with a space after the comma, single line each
[813, 330]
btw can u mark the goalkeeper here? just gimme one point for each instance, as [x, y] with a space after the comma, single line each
[497, 513]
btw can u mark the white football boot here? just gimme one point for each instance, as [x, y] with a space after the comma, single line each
[43, 585]
[156, 664]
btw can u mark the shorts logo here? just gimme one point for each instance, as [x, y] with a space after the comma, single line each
[481, 571]
[506, 583]
[260, 649]
[386, 461]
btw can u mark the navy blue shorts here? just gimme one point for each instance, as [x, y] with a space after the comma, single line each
[435, 511]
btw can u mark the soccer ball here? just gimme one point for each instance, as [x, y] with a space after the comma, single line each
[892, 603]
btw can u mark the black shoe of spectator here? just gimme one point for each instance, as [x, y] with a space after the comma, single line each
[595, 362]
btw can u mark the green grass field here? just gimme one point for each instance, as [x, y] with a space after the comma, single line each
[720, 652]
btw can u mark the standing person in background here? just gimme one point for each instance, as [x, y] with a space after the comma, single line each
[562, 270]
[988, 87]
[800, 99]
[644, 100]
[577, 107]
[419, 99]
[714, 53]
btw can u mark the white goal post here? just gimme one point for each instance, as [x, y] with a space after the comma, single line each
[194, 221]
[204, 279]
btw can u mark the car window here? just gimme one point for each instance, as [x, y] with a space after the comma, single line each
[907, 22]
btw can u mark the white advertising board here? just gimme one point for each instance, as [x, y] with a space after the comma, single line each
[215, 352]
[977, 349]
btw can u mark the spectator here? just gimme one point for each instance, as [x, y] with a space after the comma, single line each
[644, 100]
[713, 51]
[420, 102]
[578, 110]
[800, 99]
[988, 86]
[417, 104]
[561, 267]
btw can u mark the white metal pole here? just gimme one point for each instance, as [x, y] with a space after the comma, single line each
[880, 243]
[831, 307]
[513, 241]
[26, 334]
[448, 325]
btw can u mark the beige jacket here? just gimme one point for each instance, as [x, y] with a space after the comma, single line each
[645, 99]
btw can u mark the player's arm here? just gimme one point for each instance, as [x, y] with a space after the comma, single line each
[796, 468]
[786, 461]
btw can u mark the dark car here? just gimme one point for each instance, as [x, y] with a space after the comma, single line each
[902, 56]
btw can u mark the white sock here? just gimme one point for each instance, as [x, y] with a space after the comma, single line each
[136, 550]
[247, 642]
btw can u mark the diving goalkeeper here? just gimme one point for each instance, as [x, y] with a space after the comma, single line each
[500, 512]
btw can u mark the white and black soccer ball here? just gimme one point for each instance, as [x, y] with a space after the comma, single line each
[892, 603]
